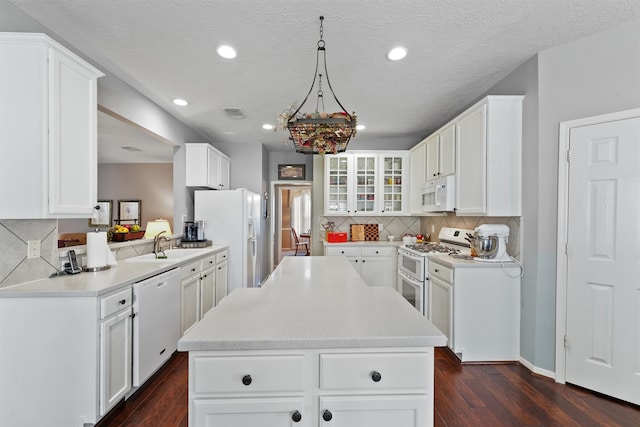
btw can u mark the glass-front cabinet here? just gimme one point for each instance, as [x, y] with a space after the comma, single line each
[337, 188]
[365, 186]
[393, 174]
[366, 183]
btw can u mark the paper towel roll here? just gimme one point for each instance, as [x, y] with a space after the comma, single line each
[97, 250]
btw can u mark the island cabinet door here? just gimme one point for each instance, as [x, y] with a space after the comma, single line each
[376, 411]
[251, 412]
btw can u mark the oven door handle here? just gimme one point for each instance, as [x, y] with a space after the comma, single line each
[410, 279]
[410, 255]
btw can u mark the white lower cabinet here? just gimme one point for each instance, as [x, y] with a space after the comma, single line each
[376, 411]
[262, 412]
[377, 265]
[115, 359]
[203, 284]
[340, 387]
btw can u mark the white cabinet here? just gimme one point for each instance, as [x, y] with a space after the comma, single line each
[281, 388]
[206, 167]
[377, 265]
[489, 158]
[480, 306]
[203, 284]
[417, 166]
[441, 153]
[64, 358]
[115, 348]
[441, 299]
[221, 275]
[367, 183]
[49, 111]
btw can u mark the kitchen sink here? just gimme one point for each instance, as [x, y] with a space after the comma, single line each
[172, 255]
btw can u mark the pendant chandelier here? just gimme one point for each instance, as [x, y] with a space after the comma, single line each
[320, 132]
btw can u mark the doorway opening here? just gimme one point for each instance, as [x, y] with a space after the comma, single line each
[291, 220]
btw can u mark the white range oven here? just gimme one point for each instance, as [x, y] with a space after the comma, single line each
[413, 265]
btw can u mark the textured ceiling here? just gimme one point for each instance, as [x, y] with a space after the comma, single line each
[457, 50]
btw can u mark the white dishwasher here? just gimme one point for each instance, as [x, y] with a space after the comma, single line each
[156, 323]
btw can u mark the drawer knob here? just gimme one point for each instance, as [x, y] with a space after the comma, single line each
[123, 301]
[436, 270]
[296, 417]
[327, 415]
[375, 376]
[246, 380]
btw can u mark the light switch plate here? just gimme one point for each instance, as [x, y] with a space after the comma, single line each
[33, 249]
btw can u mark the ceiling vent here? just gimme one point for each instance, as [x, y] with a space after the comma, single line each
[234, 113]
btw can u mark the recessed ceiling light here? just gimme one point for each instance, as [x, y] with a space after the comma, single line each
[226, 51]
[397, 53]
[180, 102]
[359, 127]
[267, 126]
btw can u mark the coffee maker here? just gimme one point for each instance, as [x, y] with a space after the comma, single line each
[193, 231]
[490, 242]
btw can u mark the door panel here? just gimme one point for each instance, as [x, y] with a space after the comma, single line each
[603, 292]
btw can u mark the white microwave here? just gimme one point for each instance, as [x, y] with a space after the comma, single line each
[439, 195]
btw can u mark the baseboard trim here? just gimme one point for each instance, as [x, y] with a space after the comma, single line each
[536, 370]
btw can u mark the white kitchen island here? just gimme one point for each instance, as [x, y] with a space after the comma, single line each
[315, 347]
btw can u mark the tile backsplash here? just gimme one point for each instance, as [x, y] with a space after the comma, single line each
[431, 225]
[391, 225]
[15, 233]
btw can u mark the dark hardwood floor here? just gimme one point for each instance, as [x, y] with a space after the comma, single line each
[465, 395]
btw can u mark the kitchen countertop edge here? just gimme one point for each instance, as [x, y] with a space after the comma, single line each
[94, 284]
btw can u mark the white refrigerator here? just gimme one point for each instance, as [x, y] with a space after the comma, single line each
[232, 217]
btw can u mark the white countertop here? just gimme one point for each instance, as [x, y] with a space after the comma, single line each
[312, 302]
[91, 284]
[451, 262]
[396, 243]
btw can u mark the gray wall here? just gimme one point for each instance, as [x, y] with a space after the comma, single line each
[591, 76]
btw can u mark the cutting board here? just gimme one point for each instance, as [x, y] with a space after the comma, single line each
[366, 232]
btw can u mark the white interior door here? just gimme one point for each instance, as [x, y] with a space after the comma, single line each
[603, 267]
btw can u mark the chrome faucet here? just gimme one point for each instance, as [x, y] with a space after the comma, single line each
[156, 244]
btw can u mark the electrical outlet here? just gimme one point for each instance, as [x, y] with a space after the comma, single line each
[380, 227]
[33, 249]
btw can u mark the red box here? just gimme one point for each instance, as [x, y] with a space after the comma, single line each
[336, 237]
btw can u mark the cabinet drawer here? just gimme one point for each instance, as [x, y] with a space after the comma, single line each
[344, 251]
[190, 269]
[208, 262]
[222, 256]
[380, 371]
[441, 272]
[249, 374]
[115, 302]
[380, 251]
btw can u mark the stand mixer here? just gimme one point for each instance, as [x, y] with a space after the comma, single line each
[490, 242]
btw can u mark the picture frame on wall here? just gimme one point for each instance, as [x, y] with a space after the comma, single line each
[291, 172]
[129, 211]
[104, 210]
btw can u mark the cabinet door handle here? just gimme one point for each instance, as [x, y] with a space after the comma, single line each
[122, 301]
[296, 417]
[327, 415]
[193, 270]
[246, 380]
[375, 376]
[436, 270]
[377, 252]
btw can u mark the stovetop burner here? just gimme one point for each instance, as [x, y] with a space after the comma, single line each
[432, 248]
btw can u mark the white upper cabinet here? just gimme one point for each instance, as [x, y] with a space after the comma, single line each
[49, 128]
[417, 166]
[441, 153]
[489, 153]
[206, 167]
[367, 183]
